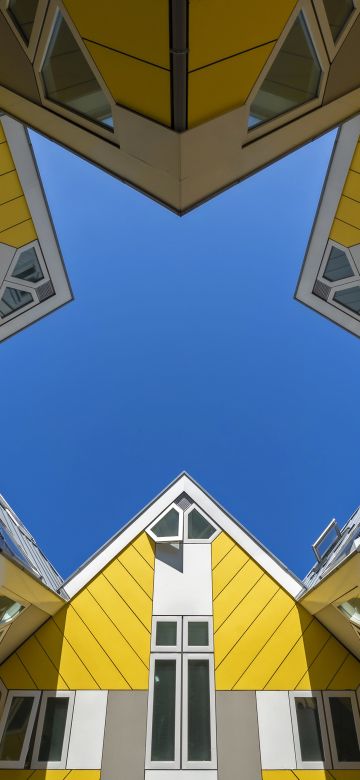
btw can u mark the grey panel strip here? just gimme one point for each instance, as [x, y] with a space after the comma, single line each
[237, 735]
[179, 62]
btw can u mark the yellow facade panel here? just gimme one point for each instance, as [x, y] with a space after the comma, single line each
[277, 774]
[19, 235]
[324, 667]
[220, 547]
[344, 234]
[136, 565]
[313, 774]
[2, 135]
[16, 774]
[218, 30]
[83, 774]
[13, 212]
[344, 774]
[352, 185]
[235, 591]
[10, 187]
[348, 676]
[130, 591]
[15, 675]
[39, 666]
[295, 664]
[146, 547]
[6, 160]
[137, 85]
[50, 774]
[70, 666]
[225, 85]
[355, 162]
[228, 568]
[349, 211]
[135, 27]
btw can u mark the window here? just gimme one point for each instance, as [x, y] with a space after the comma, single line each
[176, 525]
[310, 736]
[23, 14]
[337, 266]
[16, 726]
[68, 78]
[27, 266]
[349, 297]
[181, 695]
[53, 729]
[344, 728]
[351, 609]
[9, 610]
[198, 527]
[293, 78]
[168, 527]
[338, 12]
[12, 300]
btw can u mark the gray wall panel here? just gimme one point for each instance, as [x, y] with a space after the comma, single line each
[125, 734]
[237, 736]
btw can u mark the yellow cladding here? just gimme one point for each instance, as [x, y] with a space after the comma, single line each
[133, 83]
[101, 639]
[346, 226]
[310, 774]
[263, 639]
[16, 226]
[50, 774]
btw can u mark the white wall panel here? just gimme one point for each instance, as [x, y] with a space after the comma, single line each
[181, 774]
[87, 730]
[275, 730]
[182, 583]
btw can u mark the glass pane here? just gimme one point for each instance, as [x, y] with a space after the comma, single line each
[351, 609]
[338, 12]
[15, 729]
[168, 525]
[13, 300]
[163, 725]
[350, 298]
[199, 733]
[9, 609]
[337, 266]
[69, 79]
[28, 267]
[347, 745]
[52, 737]
[309, 728]
[198, 527]
[23, 13]
[293, 78]
[198, 633]
[166, 632]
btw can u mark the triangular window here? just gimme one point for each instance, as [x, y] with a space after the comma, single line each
[23, 14]
[167, 528]
[198, 526]
[349, 298]
[337, 266]
[292, 80]
[338, 12]
[28, 267]
[68, 78]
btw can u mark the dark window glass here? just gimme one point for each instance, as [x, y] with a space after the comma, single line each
[337, 266]
[23, 13]
[15, 728]
[68, 78]
[28, 267]
[198, 527]
[12, 300]
[52, 737]
[309, 728]
[9, 609]
[166, 631]
[199, 732]
[338, 12]
[293, 78]
[163, 725]
[198, 633]
[347, 746]
[350, 298]
[168, 525]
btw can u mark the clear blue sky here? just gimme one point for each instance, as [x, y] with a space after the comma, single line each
[183, 349]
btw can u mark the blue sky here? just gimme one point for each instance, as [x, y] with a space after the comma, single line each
[183, 349]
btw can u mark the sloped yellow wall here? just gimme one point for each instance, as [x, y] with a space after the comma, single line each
[50, 774]
[101, 639]
[346, 226]
[310, 774]
[263, 639]
[16, 226]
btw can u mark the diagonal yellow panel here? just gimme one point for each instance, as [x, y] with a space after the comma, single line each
[16, 774]
[2, 135]
[138, 568]
[225, 85]
[313, 774]
[15, 675]
[10, 186]
[219, 29]
[136, 27]
[134, 84]
[344, 774]
[344, 234]
[70, 666]
[266, 618]
[38, 664]
[349, 211]
[278, 646]
[324, 667]
[131, 592]
[13, 213]
[99, 664]
[84, 774]
[277, 774]
[355, 162]
[348, 676]
[6, 160]
[133, 630]
[113, 643]
[49, 774]
[235, 591]
[220, 547]
[146, 547]
[352, 185]
[296, 663]
[227, 568]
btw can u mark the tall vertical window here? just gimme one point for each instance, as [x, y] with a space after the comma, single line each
[15, 728]
[23, 13]
[53, 729]
[310, 735]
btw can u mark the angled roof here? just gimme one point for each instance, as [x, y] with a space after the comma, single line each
[184, 484]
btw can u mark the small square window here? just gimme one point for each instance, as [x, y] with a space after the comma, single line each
[166, 631]
[198, 634]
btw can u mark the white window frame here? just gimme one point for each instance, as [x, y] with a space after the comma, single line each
[352, 696]
[300, 763]
[208, 520]
[198, 648]
[331, 45]
[35, 695]
[30, 47]
[167, 539]
[40, 725]
[166, 648]
[149, 764]
[186, 764]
